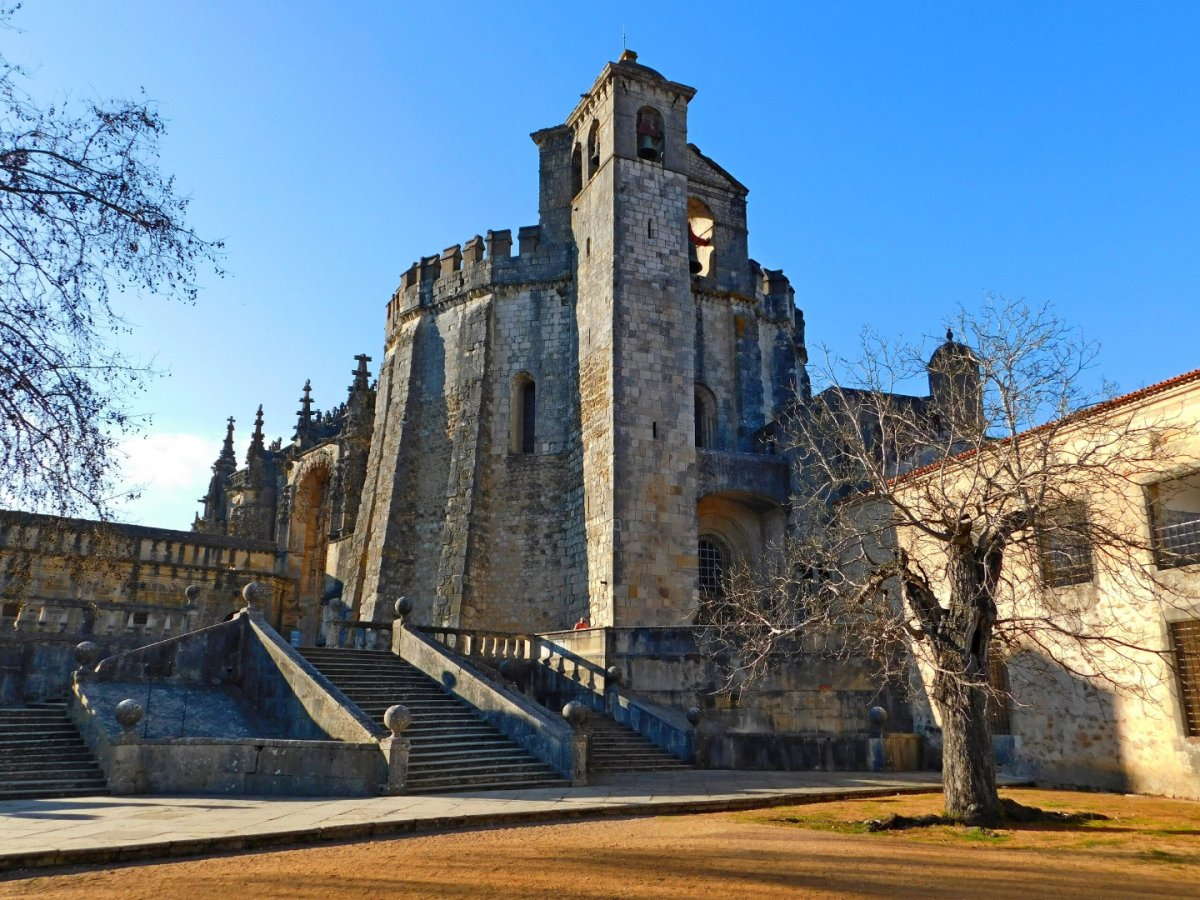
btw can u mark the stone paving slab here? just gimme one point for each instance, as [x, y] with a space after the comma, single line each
[96, 830]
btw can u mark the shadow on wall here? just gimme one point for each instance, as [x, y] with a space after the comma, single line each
[423, 471]
[1065, 728]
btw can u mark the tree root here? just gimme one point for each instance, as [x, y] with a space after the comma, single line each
[1011, 813]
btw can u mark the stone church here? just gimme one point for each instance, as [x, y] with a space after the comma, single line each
[565, 445]
[577, 430]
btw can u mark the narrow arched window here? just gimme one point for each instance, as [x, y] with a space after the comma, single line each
[523, 427]
[576, 170]
[706, 417]
[528, 415]
[649, 134]
[593, 150]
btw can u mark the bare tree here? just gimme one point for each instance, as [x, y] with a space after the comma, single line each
[84, 210]
[935, 531]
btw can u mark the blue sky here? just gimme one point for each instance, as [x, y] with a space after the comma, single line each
[902, 158]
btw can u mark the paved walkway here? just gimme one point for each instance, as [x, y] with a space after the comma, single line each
[90, 830]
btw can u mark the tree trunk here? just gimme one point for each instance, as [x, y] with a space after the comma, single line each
[968, 758]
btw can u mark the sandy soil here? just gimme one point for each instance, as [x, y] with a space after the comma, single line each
[1149, 848]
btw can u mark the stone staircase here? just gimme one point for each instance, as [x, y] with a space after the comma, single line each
[453, 749]
[42, 755]
[618, 748]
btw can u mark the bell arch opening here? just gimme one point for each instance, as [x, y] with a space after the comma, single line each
[650, 143]
[700, 237]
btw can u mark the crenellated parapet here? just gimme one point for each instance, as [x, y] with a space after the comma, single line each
[480, 264]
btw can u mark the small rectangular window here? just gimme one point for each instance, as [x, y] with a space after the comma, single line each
[10, 611]
[1185, 638]
[141, 618]
[997, 704]
[1174, 509]
[1064, 548]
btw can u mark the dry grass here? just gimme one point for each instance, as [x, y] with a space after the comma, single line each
[1148, 847]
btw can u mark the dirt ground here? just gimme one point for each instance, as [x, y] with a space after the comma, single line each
[1148, 847]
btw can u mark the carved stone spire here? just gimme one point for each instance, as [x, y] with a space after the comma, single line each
[215, 503]
[362, 375]
[257, 446]
[227, 461]
[304, 421]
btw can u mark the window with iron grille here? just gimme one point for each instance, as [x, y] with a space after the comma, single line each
[1174, 508]
[714, 563]
[1185, 637]
[1063, 547]
[997, 705]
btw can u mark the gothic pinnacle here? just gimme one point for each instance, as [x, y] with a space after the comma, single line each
[256, 439]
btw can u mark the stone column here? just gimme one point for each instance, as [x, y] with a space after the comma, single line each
[396, 748]
[577, 715]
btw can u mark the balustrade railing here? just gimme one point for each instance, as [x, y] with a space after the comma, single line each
[490, 646]
[356, 635]
[550, 662]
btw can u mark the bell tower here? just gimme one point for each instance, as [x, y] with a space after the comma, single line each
[636, 320]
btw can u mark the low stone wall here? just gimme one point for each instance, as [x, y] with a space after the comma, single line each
[236, 711]
[265, 767]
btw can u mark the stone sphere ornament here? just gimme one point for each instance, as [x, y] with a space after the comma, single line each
[254, 593]
[878, 716]
[693, 715]
[575, 712]
[613, 675]
[86, 654]
[403, 608]
[192, 593]
[128, 713]
[397, 718]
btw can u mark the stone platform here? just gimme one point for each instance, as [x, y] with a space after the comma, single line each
[105, 830]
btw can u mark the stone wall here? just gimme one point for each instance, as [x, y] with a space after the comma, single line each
[63, 581]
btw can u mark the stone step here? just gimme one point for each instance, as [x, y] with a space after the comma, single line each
[46, 728]
[450, 755]
[43, 755]
[477, 764]
[39, 747]
[60, 761]
[78, 771]
[497, 748]
[30, 715]
[50, 789]
[450, 730]
[476, 776]
[453, 748]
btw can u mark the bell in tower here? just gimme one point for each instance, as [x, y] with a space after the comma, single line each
[650, 134]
